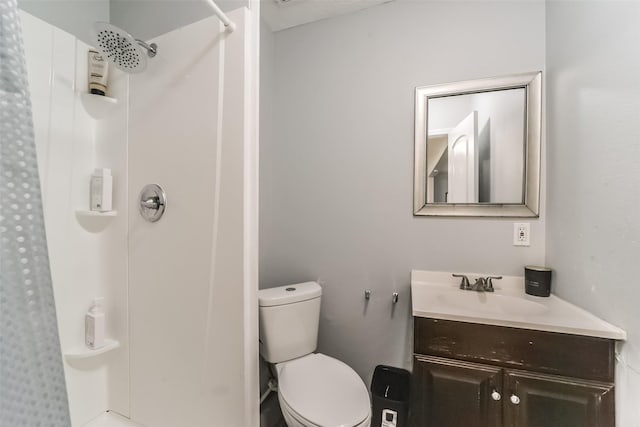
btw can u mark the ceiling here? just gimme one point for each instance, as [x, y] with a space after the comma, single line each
[282, 14]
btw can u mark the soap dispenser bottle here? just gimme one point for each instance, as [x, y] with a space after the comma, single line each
[94, 325]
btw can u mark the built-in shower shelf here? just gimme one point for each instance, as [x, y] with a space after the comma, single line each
[96, 214]
[93, 221]
[84, 352]
[98, 106]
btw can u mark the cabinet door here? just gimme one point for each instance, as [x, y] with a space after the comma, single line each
[450, 393]
[535, 400]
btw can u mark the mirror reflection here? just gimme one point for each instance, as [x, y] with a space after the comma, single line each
[476, 147]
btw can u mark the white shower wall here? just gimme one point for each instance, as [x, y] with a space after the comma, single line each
[188, 275]
[86, 261]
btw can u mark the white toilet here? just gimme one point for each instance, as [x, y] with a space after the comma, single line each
[314, 390]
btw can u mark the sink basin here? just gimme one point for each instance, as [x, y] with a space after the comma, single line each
[437, 295]
[489, 303]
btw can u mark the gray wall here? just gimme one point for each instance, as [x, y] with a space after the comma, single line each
[336, 174]
[149, 18]
[267, 76]
[593, 105]
[74, 16]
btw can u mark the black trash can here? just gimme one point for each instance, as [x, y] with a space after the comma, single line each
[390, 393]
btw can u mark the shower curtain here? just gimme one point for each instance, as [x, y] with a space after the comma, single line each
[32, 386]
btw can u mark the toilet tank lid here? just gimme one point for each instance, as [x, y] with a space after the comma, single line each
[289, 294]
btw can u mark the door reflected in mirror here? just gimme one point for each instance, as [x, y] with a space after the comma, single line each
[477, 147]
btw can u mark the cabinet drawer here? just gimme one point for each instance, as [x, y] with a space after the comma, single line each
[548, 352]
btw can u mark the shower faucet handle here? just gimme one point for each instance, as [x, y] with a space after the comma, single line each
[152, 202]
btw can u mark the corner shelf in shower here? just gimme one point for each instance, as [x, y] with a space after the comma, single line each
[109, 214]
[94, 221]
[98, 106]
[85, 353]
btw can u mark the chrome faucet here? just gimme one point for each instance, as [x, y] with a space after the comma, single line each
[489, 283]
[464, 283]
[482, 284]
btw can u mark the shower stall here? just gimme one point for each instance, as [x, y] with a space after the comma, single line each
[181, 292]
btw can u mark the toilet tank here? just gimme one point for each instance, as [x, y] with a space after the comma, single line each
[289, 317]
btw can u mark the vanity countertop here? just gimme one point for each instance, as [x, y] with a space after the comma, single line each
[437, 295]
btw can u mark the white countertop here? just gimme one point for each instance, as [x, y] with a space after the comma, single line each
[437, 295]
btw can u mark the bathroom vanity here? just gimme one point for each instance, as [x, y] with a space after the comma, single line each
[507, 359]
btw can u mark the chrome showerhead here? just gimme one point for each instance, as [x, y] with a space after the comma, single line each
[120, 48]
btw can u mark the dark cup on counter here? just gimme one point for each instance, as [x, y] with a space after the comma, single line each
[537, 281]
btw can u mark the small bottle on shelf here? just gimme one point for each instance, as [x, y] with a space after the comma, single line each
[94, 325]
[101, 190]
[98, 73]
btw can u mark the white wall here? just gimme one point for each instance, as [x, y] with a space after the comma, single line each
[86, 257]
[593, 100]
[337, 173]
[193, 278]
[112, 152]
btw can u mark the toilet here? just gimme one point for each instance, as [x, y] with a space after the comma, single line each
[314, 390]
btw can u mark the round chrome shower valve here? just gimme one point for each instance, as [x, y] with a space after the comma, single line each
[153, 202]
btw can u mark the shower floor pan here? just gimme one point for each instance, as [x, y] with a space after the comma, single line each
[111, 419]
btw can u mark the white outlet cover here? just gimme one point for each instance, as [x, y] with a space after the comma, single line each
[521, 234]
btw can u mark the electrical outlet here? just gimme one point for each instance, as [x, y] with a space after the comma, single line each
[521, 234]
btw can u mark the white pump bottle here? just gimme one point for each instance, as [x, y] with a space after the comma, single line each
[94, 325]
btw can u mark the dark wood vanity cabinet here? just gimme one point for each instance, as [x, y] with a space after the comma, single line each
[472, 375]
[546, 400]
[453, 393]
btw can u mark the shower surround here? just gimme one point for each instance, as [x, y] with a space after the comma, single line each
[179, 293]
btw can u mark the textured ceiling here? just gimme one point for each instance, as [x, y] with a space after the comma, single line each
[289, 13]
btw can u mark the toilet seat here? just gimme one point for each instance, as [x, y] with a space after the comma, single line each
[320, 391]
[294, 419]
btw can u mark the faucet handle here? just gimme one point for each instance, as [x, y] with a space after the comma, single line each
[490, 279]
[464, 283]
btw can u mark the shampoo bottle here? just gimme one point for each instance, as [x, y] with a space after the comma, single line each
[98, 73]
[94, 325]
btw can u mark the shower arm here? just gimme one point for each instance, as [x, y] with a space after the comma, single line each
[152, 49]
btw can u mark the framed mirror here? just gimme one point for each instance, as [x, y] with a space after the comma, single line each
[477, 147]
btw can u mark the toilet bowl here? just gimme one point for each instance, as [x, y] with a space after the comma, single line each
[319, 391]
[314, 390]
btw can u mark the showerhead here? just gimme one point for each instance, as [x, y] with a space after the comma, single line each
[120, 48]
